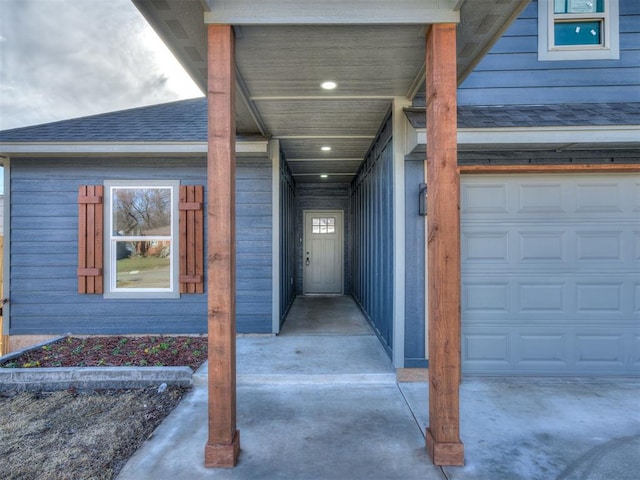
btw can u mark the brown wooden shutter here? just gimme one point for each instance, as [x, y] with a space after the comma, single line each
[191, 239]
[90, 238]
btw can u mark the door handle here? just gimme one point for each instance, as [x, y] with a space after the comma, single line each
[307, 262]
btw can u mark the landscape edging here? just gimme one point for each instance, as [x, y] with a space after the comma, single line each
[92, 378]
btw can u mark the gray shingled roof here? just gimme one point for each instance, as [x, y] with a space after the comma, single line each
[181, 121]
[561, 115]
[186, 121]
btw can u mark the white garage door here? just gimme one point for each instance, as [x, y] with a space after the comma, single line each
[551, 274]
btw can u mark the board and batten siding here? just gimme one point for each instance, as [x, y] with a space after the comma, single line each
[44, 258]
[414, 308]
[288, 209]
[372, 231]
[511, 73]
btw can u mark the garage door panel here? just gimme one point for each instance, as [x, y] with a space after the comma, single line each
[599, 197]
[599, 297]
[487, 198]
[482, 247]
[546, 246]
[599, 245]
[490, 348]
[602, 350]
[485, 297]
[542, 198]
[551, 274]
[543, 349]
[542, 297]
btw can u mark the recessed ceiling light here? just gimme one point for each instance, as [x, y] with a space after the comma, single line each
[329, 85]
[324, 175]
[326, 148]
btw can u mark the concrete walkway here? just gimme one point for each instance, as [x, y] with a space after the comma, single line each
[328, 407]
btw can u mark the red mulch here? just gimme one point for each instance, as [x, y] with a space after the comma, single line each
[151, 351]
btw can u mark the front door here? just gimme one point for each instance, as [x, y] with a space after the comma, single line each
[323, 251]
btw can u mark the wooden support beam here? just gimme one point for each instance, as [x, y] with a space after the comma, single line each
[223, 445]
[443, 248]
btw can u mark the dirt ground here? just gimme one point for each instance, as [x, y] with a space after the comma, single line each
[77, 435]
[88, 435]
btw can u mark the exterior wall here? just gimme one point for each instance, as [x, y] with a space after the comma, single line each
[414, 309]
[44, 237]
[372, 226]
[254, 240]
[512, 74]
[322, 196]
[288, 210]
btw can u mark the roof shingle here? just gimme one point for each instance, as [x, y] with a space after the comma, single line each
[181, 121]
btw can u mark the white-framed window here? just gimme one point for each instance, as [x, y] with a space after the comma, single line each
[141, 239]
[578, 30]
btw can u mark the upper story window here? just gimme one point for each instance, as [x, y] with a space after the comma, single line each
[578, 30]
[141, 242]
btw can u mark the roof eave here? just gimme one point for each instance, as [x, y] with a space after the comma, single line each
[22, 149]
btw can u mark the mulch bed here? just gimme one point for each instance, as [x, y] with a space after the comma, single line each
[116, 351]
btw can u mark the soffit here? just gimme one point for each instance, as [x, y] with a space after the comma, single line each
[280, 66]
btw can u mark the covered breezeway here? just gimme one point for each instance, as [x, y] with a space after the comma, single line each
[318, 80]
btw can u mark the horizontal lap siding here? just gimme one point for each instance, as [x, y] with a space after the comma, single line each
[512, 74]
[254, 256]
[44, 250]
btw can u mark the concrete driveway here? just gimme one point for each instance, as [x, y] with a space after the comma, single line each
[329, 407]
[536, 428]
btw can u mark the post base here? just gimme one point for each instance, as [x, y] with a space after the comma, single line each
[445, 453]
[222, 455]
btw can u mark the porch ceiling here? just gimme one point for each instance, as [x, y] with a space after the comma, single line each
[282, 61]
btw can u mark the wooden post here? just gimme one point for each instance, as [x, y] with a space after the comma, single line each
[223, 445]
[443, 248]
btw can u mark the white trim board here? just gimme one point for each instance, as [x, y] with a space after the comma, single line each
[274, 148]
[332, 12]
[619, 134]
[243, 148]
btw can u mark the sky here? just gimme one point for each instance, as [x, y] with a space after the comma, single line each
[62, 59]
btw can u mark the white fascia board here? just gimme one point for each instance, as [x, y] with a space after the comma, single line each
[535, 135]
[400, 125]
[331, 12]
[254, 147]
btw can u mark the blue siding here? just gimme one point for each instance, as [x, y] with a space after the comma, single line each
[512, 74]
[414, 307]
[44, 224]
[322, 196]
[254, 256]
[288, 210]
[372, 227]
